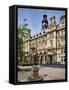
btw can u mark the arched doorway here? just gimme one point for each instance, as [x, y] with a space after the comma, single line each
[50, 59]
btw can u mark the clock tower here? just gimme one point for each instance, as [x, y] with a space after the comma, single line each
[44, 22]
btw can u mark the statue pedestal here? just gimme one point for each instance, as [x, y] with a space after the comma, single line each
[35, 74]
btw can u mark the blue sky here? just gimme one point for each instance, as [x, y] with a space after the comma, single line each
[35, 16]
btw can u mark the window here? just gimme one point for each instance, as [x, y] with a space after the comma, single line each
[32, 43]
[51, 35]
[62, 22]
[42, 39]
[51, 42]
[48, 36]
[62, 32]
[39, 41]
[62, 50]
[37, 34]
[40, 33]
[58, 42]
[62, 58]
[58, 33]
[62, 40]
[45, 42]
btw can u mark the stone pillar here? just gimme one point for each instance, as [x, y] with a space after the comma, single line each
[44, 59]
[35, 72]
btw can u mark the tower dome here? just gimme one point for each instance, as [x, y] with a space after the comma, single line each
[44, 22]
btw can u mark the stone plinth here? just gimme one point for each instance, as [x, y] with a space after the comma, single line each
[35, 72]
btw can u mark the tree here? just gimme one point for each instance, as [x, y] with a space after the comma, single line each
[23, 32]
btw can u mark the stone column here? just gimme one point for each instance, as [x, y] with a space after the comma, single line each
[35, 72]
[43, 59]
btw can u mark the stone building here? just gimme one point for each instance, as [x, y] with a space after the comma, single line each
[49, 43]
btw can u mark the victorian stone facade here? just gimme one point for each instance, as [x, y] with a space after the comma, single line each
[49, 43]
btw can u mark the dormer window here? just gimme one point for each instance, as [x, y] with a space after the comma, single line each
[44, 32]
[34, 36]
[40, 33]
[52, 20]
[37, 34]
[62, 20]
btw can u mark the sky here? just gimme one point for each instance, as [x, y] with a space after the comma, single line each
[34, 17]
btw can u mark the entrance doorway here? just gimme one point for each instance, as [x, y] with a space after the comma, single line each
[50, 58]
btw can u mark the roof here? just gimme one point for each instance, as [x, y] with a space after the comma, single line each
[62, 17]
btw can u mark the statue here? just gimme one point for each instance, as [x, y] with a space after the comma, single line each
[35, 68]
[35, 57]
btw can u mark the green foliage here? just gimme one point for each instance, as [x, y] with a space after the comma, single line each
[23, 32]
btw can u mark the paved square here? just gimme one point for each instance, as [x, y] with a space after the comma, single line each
[52, 73]
[48, 73]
